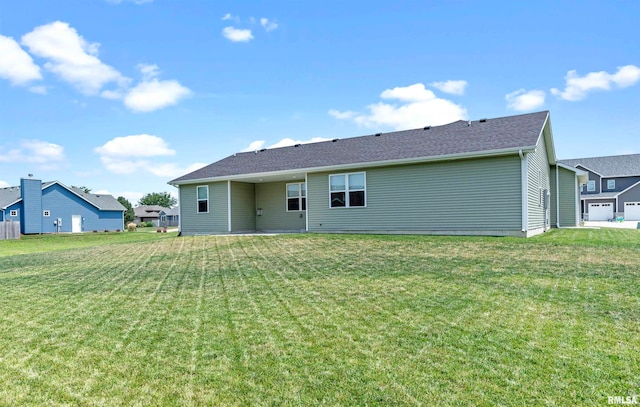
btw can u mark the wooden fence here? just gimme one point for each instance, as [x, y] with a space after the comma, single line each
[9, 230]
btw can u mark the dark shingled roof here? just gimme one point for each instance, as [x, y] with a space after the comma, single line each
[610, 166]
[457, 138]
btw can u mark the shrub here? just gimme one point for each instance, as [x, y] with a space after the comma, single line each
[149, 224]
[106, 230]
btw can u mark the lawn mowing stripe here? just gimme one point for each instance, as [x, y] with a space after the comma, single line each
[328, 314]
[87, 334]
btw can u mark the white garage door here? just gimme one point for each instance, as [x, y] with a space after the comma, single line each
[600, 211]
[632, 210]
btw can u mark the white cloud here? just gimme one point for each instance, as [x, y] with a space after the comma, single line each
[139, 145]
[4, 184]
[155, 94]
[577, 87]
[41, 90]
[452, 87]
[268, 25]
[419, 107]
[15, 64]
[46, 155]
[135, 153]
[172, 170]
[237, 35]
[149, 71]
[342, 115]
[523, 100]
[71, 57]
[228, 16]
[285, 142]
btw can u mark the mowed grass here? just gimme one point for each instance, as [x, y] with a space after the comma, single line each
[321, 320]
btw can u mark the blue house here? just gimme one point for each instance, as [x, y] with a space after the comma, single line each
[52, 207]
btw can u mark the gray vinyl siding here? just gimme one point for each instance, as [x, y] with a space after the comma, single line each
[475, 195]
[538, 172]
[568, 197]
[592, 177]
[216, 221]
[271, 198]
[632, 195]
[243, 207]
[622, 183]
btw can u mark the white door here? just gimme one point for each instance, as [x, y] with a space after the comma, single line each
[632, 211]
[600, 211]
[76, 223]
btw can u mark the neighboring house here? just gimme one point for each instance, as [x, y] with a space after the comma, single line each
[170, 217]
[148, 213]
[613, 187]
[485, 177]
[53, 207]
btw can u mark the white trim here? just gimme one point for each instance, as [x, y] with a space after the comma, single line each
[13, 213]
[229, 206]
[299, 197]
[351, 166]
[179, 211]
[617, 194]
[525, 193]
[306, 215]
[46, 213]
[594, 186]
[198, 199]
[614, 184]
[347, 190]
[558, 196]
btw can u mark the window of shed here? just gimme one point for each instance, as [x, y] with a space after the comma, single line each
[46, 213]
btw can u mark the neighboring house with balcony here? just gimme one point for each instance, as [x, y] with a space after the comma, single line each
[52, 207]
[485, 177]
[613, 188]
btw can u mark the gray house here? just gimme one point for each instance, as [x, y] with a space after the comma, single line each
[484, 177]
[613, 188]
[169, 217]
[148, 213]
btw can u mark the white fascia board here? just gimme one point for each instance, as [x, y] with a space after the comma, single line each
[590, 170]
[550, 147]
[340, 167]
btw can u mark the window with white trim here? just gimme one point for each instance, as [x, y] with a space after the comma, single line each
[347, 190]
[46, 213]
[591, 186]
[202, 193]
[296, 197]
[611, 184]
[13, 213]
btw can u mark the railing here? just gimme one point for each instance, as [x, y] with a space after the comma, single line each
[9, 229]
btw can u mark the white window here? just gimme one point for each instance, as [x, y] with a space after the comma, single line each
[611, 184]
[46, 213]
[591, 186]
[296, 197]
[13, 213]
[347, 190]
[203, 198]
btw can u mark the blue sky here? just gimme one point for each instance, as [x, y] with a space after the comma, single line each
[122, 96]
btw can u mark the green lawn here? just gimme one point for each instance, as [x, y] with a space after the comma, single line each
[155, 319]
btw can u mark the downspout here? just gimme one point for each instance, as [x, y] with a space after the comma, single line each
[179, 212]
[525, 192]
[229, 205]
[557, 197]
[306, 215]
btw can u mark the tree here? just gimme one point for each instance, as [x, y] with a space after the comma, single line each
[163, 199]
[129, 216]
[86, 190]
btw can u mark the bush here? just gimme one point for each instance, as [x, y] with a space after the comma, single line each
[149, 224]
